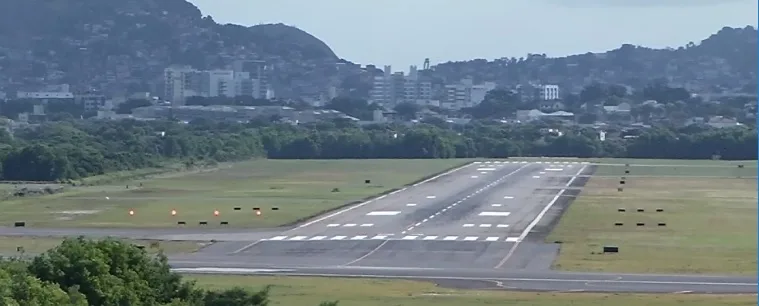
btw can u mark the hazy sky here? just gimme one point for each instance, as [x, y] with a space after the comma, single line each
[404, 32]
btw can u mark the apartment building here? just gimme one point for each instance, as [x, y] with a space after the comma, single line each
[466, 94]
[391, 89]
[184, 82]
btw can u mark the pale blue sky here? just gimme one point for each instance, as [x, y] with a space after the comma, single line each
[404, 32]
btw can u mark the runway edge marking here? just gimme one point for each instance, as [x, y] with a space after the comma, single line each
[360, 204]
[539, 217]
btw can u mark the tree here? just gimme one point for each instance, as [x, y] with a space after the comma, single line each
[129, 105]
[406, 110]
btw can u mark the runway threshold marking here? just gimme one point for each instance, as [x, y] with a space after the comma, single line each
[538, 218]
[494, 214]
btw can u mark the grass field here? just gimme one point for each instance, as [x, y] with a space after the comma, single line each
[298, 188]
[710, 217]
[302, 291]
[34, 245]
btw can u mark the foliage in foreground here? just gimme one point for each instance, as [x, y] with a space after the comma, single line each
[108, 272]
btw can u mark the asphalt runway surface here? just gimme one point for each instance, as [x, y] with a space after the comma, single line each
[479, 226]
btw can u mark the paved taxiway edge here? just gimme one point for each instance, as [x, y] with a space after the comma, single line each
[501, 280]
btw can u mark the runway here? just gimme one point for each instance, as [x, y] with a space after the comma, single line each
[480, 226]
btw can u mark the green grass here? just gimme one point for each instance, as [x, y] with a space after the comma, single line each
[34, 245]
[299, 188]
[302, 291]
[710, 223]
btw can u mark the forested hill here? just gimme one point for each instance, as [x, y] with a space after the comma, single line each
[87, 42]
[72, 150]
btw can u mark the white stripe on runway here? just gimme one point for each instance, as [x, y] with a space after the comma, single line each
[468, 225]
[367, 225]
[491, 239]
[318, 238]
[512, 239]
[333, 225]
[338, 238]
[298, 238]
[502, 225]
[360, 237]
[350, 225]
[278, 238]
[410, 237]
[379, 237]
[495, 213]
[486, 225]
[451, 238]
[470, 238]
[430, 238]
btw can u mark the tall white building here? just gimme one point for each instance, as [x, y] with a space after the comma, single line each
[184, 82]
[466, 93]
[549, 92]
[391, 89]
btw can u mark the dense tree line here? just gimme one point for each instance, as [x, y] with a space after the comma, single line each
[108, 272]
[76, 149]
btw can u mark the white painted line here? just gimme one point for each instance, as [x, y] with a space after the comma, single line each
[541, 172]
[226, 270]
[470, 238]
[383, 213]
[449, 238]
[496, 205]
[278, 238]
[372, 200]
[317, 237]
[410, 237]
[338, 238]
[468, 225]
[296, 238]
[554, 169]
[411, 204]
[487, 162]
[431, 197]
[485, 169]
[477, 162]
[486, 225]
[508, 197]
[379, 237]
[367, 225]
[494, 214]
[359, 237]
[523, 162]
[502, 225]
[512, 239]
[333, 225]
[430, 238]
[540, 162]
[491, 239]
[536, 176]
[349, 225]
[483, 173]
[474, 176]
[538, 217]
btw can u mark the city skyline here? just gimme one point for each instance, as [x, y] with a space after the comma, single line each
[402, 33]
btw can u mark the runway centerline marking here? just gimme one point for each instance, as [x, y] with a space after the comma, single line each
[349, 225]
[539, 216]
[494, 214]
[490, 185]
[367, 225]
[383, 213]
[375, 199]
[508, 197]
[333, 225]
[496, 205]
[431, 197]
[410, 204]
